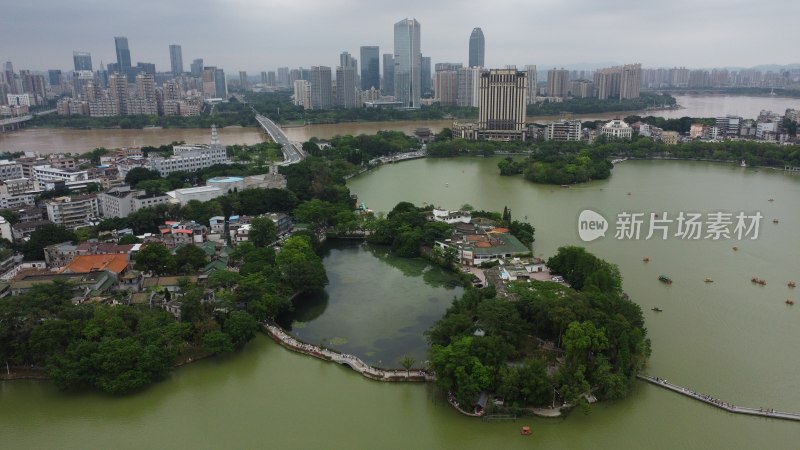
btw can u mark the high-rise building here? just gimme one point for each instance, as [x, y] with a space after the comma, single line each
[370, 67]
[54, 77]
[220, 83]
[618, 82]
[197, 68]
[533, 79]
[145, 67]
[82, 60]
[477, 48]
[407, 62]
[469, 86]
[425, 75]
[321, 87]
[448, 66]
[145, 100]
[209, 83]
[118, 92]
[631, 81]
[176, 59]
[123, 56]
[302, 93]
[271, 79]
[346, 95]
[243, 83]
[558, 82]
[503, 95]
[283, 77]
[447, 87]
[264, 78]
[347, 60]
[388, 74]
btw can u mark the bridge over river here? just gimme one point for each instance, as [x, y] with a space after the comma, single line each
[292, 151]
[14, 123]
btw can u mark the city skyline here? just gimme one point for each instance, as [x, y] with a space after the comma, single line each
[546, 33]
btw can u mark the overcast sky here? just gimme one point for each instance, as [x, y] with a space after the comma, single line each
[256, 35]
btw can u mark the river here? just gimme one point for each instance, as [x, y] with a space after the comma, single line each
[730, 339]
[47, 141]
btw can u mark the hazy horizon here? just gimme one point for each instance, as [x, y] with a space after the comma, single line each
[261, 36]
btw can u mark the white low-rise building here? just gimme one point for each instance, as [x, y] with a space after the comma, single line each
[73, 212]
[188, 158]
[48, 173]
[617, 129]
[201, 193]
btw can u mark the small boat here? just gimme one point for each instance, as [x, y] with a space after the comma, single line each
[629, 193]
[735, 248]
[772, 199]
[789, 302]
[708, 280]
[525, 431]
[792, 284]
[775, 220]
[760, 281]
[665, 279]
[743, 164]
[564, 185]
[646, 259]
[657, 309]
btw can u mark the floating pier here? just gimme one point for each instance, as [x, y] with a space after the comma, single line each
[761, 412]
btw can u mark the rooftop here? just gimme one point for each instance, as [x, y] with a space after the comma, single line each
[115, 263]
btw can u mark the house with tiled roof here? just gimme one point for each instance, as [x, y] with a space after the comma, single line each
[115, 263]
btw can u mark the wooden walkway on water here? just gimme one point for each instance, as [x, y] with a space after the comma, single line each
[760, 412]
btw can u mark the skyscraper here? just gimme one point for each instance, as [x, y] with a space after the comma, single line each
[558, 83]
[283, 77]
[469, 86]
[447, 87]
[220, 83]
[176, 59]
[243, 83]
[477, 48]
[370, 68]
[502, 104]
[346, 87]
[388, 74]
[197, 67]
[119, 93]
[321, 88]
[533, 78]
[123, 56]
[82, 60]
[407, 63]
[425, 75]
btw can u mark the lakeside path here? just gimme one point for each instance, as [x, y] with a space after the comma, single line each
[374, 373]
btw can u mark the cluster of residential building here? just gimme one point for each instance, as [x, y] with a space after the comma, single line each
[767, 127]
[89, 193]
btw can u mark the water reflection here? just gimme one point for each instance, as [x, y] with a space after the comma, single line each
[376, 305]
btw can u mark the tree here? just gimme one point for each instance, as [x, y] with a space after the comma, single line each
[156, 258]
[190, 258]
[263, 231]
[299, 266]
[129, 239]
[137, 174]
[44, 236]
[241, 327]
[217, 342]
[9, 215]
[407, 362]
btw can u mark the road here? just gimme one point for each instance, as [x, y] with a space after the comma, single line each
[292, 151]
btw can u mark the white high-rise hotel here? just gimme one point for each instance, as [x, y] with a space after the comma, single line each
[407, 63]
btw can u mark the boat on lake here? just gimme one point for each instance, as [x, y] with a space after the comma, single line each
[665, 279]
[657, 309]
[775, 220]
[792, 284]
[646, 259]
[760, 281]
[789, 302]
[708, 280]
[525, 431]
